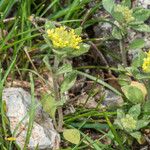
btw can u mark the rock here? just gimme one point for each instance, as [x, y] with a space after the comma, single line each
[144, 3]
[86, 101]
[112, 100]
[18, 102]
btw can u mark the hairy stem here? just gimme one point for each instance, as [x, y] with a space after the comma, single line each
[57, 95]
[123, 53]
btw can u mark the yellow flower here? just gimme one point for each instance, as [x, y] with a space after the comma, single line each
[128, 123]
[10, 138]
[126, 12]
[146, 63]
[62, 37]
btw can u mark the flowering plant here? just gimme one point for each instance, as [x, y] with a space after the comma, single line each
[130, 123]
[64, 43]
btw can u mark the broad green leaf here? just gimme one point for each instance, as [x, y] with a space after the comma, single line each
[49, 105]
[69, 81]
[134, 94]
[141, 27]
[84, 48]
[142, 123]
[126, 3]
[141, 86]
[141, 14]
[137, 44]
[65, 68]
[137, 136]
[116, 33]
[72, 135]
[135, 111]
[49, 25]
[108, 5]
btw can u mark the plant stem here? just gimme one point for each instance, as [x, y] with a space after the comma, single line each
[123, 53]
[57, 95]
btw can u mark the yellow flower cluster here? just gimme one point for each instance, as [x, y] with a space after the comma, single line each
[126, 12]
[128, 123]
[62, 37]
[146, 63]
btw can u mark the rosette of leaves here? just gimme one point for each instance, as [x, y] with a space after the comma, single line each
[125, 17]
[130, 123]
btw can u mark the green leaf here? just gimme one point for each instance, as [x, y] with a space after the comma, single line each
[108, 5]
[146, 107]
[120, 114]
[118, 124]
[141, 14]
[49, 105]
[124, 79]
[142, 123]
[78, 31]
[141, 27]
[49, 25]
[134, 94]
[72, 135]
[118, 16]
[84, 48]
[69, 81]
[46, 61]
[138, 61]
[116, 33]
[126, 3]
[135, 111]
[137, 44]
[65, 68]
[137, 136]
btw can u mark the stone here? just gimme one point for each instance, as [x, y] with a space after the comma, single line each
[112, 100]
[18, 103]
[144, 3]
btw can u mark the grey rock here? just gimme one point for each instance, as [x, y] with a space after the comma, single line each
[112, 100]
[144, 3]
[18, 103]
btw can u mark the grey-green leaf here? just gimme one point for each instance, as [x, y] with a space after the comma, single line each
[84, 48]
[49, 25]
[141, 14]
[137, 136]
[108, 5]
[137, 44]
[78, 31]
[49, 105]
[134, 94]
[142, 123]
[135, 111]
[68, 82]
[141, 28]
[116, 33]
[126, 3]
[120, 114]
[65, 68]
